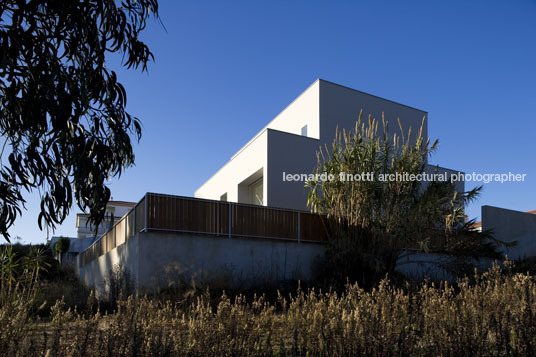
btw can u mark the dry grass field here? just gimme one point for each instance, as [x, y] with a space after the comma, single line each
[495, 314]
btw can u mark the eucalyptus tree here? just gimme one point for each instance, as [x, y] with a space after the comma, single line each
[63, 121]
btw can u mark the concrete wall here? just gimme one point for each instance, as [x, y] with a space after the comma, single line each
[509, 226]
[158, 259]
[219, 260]
[95, 273]
[425, 265]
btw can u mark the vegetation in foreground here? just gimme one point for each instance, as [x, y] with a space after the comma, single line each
[493, 315]
[374, 223]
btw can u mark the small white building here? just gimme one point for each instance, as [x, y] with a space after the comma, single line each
[288, 145]
[114, 211]
[86, 233]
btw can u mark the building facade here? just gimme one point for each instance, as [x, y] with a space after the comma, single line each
[289, 143]
[114, 211]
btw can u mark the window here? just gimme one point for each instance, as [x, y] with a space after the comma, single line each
[256, 192]
[304, 131]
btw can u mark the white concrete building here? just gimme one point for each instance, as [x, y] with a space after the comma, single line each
[86, 233]
[288, 144]
[114, 211]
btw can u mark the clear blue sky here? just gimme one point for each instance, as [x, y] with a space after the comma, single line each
[224, 69]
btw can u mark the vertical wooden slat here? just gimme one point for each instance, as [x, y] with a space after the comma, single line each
[164, 212]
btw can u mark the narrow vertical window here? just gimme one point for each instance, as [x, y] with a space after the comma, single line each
[304, 131]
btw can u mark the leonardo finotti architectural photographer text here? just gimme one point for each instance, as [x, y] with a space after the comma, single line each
[405, 176]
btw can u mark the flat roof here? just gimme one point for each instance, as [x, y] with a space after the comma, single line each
[122, 203]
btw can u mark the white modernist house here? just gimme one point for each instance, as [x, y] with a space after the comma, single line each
[289, 143]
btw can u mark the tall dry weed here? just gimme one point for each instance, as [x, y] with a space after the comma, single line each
[493, 314]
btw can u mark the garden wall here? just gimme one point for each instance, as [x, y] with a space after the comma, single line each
[159, 259]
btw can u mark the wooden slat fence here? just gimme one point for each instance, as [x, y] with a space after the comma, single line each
[157, 212]
[186, 214]
[258, 221]
[126, 228]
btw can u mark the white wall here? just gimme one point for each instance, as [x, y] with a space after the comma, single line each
[304, 110]
[244, 164]
[95, 273]
[291, 154]
[340, 106]
[86, 229]
[279, 147]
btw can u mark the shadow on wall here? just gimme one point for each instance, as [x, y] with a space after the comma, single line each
[237, 262]
[118, 284]
[100, 272]
[176, 276]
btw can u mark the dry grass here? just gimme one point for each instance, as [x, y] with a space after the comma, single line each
[493, 316]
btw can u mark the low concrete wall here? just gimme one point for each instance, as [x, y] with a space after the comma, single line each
[509, 226]
[425, 265]
[165, 258]
[159, 260]
[506, 225]
[95, 273]
[437, 267]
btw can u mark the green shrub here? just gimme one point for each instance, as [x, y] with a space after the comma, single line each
[374, 220]
[21, 273]
[30, 274]
[61, 245]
